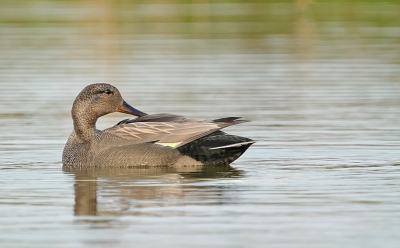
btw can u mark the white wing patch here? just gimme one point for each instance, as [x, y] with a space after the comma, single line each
[173, 145]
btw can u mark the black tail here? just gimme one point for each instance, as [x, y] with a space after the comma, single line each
[217, 148]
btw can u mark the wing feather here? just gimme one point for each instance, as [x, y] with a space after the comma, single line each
[168, 130]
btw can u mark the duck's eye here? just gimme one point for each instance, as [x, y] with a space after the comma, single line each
[107, 91]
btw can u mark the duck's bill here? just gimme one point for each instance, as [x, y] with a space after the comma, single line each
[128, 109]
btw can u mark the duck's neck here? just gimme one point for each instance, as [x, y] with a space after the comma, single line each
[84, 124]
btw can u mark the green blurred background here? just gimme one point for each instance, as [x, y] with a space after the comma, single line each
[304, 22]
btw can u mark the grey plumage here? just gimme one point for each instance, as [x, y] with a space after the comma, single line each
[151, 140]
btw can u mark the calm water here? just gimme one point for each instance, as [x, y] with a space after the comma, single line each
[321, 88]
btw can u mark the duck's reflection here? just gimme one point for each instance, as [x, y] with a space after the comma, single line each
[127, 191]
[85, 195]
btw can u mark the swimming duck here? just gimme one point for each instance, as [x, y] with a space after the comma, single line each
[148, 140]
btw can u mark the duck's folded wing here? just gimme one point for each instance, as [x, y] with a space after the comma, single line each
[167, 129]
[163, 133]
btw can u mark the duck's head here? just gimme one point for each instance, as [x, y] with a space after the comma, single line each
[96, 100]
[100, 99]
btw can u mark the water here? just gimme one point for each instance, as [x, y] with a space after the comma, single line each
[321, 90]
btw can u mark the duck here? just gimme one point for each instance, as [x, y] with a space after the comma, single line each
[147, 140]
